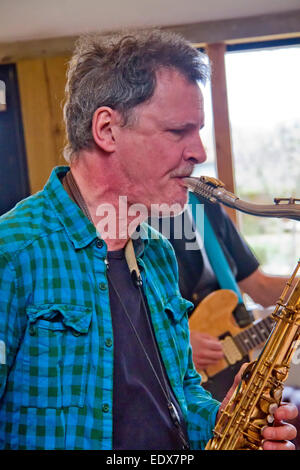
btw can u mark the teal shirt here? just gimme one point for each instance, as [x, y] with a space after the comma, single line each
[56, 336]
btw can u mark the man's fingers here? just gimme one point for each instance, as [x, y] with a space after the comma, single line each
[238, 376]
[207, 359]
[206, 350]
[208, 354]
[205, 341]
[285, 445]
[284, 431]
[286, 412]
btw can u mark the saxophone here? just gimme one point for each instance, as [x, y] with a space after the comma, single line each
[214, 191]
[259, 392]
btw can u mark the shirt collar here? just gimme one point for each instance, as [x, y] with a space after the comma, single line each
[141, 241]
[78, 227]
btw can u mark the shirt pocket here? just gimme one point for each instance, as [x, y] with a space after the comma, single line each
[53, 358]
[177, 308]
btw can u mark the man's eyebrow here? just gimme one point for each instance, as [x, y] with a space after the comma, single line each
[184, 126]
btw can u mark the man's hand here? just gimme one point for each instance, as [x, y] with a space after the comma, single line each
[278, 435]
[206, 349]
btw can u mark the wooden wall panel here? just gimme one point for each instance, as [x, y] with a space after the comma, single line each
[41, 85]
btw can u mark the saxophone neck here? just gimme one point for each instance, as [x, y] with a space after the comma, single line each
[214, 191]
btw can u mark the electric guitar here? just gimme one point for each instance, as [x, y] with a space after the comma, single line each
[214, 316]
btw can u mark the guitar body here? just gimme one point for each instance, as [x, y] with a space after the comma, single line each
[214, 316]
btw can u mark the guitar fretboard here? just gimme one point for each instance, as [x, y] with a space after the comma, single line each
[255, 335]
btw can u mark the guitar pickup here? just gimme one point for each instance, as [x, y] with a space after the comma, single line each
[231, 352]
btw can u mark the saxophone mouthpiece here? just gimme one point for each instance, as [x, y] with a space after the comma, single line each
[190, 181]
[196, 186]
[206, 186]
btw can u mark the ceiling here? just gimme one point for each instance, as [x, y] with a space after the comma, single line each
[38, 19]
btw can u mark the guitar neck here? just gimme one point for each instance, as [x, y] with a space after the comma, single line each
[254, 336]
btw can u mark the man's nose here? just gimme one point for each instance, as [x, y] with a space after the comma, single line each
[195, 151]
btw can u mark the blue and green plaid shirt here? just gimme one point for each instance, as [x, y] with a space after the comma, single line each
[56, 337]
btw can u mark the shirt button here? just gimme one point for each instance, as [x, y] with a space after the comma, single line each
[108, 342]
[102, 286]
[32, 330]
[99, 243]
[75, 333]
[105, 408]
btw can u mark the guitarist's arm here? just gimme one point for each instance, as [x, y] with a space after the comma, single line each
[264, 289]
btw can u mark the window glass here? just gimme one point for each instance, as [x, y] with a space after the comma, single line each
[264, 102]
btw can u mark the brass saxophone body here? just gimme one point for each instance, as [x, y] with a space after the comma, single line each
[259, 392]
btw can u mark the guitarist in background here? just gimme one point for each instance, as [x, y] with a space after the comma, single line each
[197, 279]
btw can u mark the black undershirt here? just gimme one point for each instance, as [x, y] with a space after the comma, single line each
[141, 419]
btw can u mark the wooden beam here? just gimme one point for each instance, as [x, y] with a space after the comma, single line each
[216, 54]
[264, 27]
[242, 29]
[23, 50]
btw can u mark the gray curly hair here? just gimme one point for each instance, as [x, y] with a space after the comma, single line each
[119, 71]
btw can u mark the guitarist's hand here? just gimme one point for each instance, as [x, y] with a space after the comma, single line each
[206, 349]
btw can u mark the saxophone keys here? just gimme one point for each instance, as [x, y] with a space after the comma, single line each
[281, 373]
[272, 408]
[277, 394]
[265, 402]
[270, 419]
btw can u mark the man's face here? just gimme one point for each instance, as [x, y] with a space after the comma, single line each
[163, 145]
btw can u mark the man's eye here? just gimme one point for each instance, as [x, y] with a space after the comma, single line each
[176, 131]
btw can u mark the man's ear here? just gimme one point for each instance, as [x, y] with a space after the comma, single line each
[104, 120]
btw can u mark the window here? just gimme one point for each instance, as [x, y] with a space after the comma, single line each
[264, 102]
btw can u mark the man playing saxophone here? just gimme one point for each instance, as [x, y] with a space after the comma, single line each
[94, 331]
